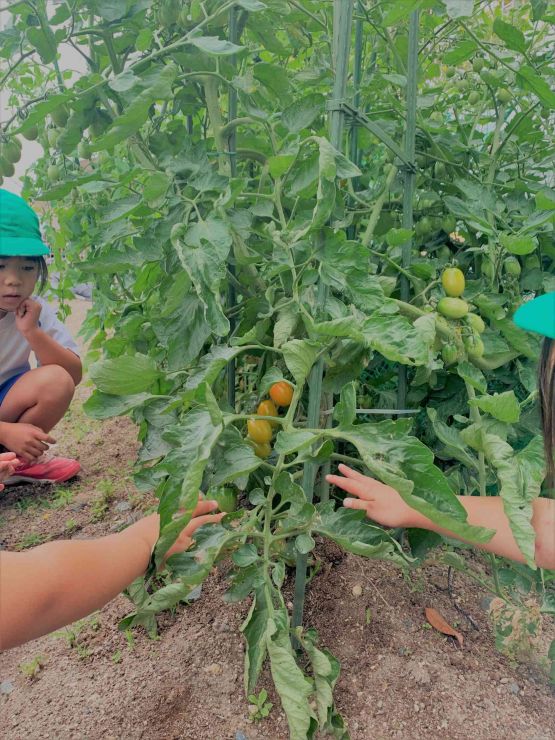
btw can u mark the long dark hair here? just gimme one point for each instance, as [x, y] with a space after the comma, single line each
[42, 268]
[546, 387]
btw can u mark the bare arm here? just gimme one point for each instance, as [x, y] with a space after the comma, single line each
[384, 505]
[50, 586]
[50, 352]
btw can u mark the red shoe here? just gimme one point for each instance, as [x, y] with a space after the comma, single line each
[55, 470]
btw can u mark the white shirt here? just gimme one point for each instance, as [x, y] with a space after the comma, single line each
[15, 349]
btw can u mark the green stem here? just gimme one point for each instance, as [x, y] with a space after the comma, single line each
[482, 480]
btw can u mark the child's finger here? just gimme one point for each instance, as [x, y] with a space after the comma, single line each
[204, 507]
[351, 473]
[349, 485]
[198, 521]
[355, 503]
[7, 457]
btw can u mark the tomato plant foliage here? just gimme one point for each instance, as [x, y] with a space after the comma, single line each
[233, 247]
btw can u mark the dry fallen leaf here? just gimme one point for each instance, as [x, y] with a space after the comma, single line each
[438, 623]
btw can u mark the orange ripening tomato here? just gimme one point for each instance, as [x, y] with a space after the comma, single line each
[267, 408]
[259, 430]
[281, 393]
[262, 450]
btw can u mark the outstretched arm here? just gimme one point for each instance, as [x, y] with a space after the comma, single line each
[384, 505]
[50, 586]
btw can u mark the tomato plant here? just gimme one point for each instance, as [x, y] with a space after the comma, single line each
[252, 232]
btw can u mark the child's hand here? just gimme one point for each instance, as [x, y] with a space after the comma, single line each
[26, 440]
[201, 515]
[381, 503]
[27, 316]
[8, 462]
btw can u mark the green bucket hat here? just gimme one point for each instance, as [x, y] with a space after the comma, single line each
[19, 228]
[538, 315]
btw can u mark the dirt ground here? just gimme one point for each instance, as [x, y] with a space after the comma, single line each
[399, 677]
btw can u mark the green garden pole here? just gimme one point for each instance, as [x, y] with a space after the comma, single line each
[342, 21]
[410, 179]
[231, 148]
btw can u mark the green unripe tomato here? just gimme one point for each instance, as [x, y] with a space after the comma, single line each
[52, 136]
[478, 64]
[476, 323]
[504, 96]
[462, 85]
[453, 282]
[60, 116]
[53, 173]
[423, 227]
[449, 224]
[450, 72]
[474, 346]
[439, 170]
[532, 262]
[487, 268]
[512, 266]
[444, 253]
[11, 151]
[6, 168]
[84, 150]
[449, 353]
[474, 97]
[452, 308]
[225, 497]
[31, 134]
[436, 116]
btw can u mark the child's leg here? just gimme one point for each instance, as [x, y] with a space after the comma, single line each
[40, 397]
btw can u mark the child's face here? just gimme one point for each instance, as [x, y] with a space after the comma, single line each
[18, 277]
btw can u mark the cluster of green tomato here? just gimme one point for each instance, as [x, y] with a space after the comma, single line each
[455, 308]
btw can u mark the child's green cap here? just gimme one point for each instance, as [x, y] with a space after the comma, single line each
[538, 315]
[19, 228]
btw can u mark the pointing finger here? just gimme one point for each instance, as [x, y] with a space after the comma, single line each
[349, 485]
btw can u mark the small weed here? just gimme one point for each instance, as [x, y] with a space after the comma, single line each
[33, 667]
[130, 639]
[117, 657]
[61, 497]
[259, 708]
[71, 525]
[31, 540]
[101, 504]
[83, 651]
[367, 615]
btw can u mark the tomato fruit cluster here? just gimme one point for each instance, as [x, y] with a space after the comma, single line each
[259, 431]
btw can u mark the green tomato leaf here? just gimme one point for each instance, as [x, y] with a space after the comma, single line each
[125, 375]
[254, 629]
[303, 112]
[345, 410]
[232, 459]
[528, 79]
[300, 355]
[510, 35]
[246, 555]
[289, 442]
[454, 446]
[502, 406]
[104, 406]
[518, 243]
[352, 531]
[215, 46]
[472, 376]
[304, 544]
[293, 687]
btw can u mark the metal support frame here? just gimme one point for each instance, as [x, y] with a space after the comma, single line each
[410, 178]
[342, 24]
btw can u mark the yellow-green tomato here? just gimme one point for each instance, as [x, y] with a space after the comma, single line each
[474, 346]
[263, 449]
[225, 497]
[452, 308]
[476, 322]
[512, 266]
[453, 282]
[259, 430]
